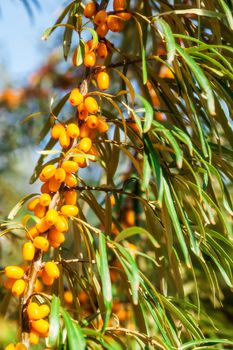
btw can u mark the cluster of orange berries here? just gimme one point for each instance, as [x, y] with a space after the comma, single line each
[39, 326]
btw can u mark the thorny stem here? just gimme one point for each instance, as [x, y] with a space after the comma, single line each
[105, 189]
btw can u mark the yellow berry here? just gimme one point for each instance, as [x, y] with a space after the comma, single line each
[33, 311]
[90, 10]
[28, 251]
[85, 144]
[52, 270]
[10, 346]
[42, 226]
[69, 166]
[55, 237]
[62, 224]
[48, 281]
[56, 131]
[44, 310]
[102, 30]
[38, 286]
[102, 125]
[82, 112]
[84, 131]
[32, 204]
[60, 175]
[18, 287]
[68, 297]
[34, 337]
[102, 50]
[39, 211]
[103, 80]
[41, 243]
[70, 197]
[54, 184]
[51, 216]
[92, 121]
[32, 232]
[73, 130]
[100, 17]
[71, 180]
[75, 97]
[91, 105]
[45, 199]
[40, 326]
[69, 210]
[45, 188]
[20, 346]
[89, 59]
[64, 139]
[15, 272]
[47, 172]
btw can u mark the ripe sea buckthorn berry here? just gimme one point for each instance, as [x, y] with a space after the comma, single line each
[124, 15]
[91, 105]
[41, 243]
[32, 232]
[100, 17]
[114, 24]
[18, 287]
[62, 224]
[75, 97]
[60, 175]
[102, 30]
[64, 139]
[15, 272]
[85, 144]
[34, 337]
[41, 326]
[45, 199]
[56, 131]
[33, 202]
[80, 160]
[91, 45]
[54, 185]
[102, 126]
[71, 180]
[90, 10]
[119, 5]
[71, 197]
[20, 346]
[73, 130]
[103, 80]
[8, 284]
[68, 297]
[44, 310]
[39, 211]
[51, 216]
[47, 172]
[102, 50]
[69, 210]
[10, 346]
[52, 270]
[89, 59]
[42, 226]
[92, 121]
[33, 311]
[84, 131]
[82, 112]
[45, 188]
[48, 281]
[38, 286]
[54, 244]
[69, 166]
[94, 152]
[28, 251]
[56, 236]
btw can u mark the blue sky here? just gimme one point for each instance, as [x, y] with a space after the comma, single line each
[22, 49]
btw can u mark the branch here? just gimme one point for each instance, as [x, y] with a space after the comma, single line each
[106, 189]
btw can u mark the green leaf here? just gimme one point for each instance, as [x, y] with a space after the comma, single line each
[94, 36]
[75, 336]
[149, 113]
[135, 230]
[19, 205]
[170, 41]
[143, 52]
[54, 322]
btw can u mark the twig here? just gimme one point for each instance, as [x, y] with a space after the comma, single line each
[119, 144]
[105, 189]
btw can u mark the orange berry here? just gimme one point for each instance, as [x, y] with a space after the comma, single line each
[71, 180]
[51, 216]
[62, 224]
[34, 337]
[56, 131]
[69, 166]
[82, 111]
[45, 199]
[42, 226]
[114, 24]
[45, 188]
[32, 232]
[91, 46]
[73, 130]
[8, 284]
[89, 59]
[20, 346]
[48, 281]
[54, 185]
[80, 160]
[84, 131]
[100, 17]
[124, 15]
[38, 286]
[14, 272]
[41, 243]
[85, 144]
[69, 210]
[102, 126]
[52, 270]
[33, 311]
[91, 105]
[18, 287]
[64, 139]
[92, 121]
[44, 310]
[68, 297]
[47, 172]
[10, 346]
[28, 251]
[75, 97]
[56, 236]
[54, 244]
[71, 197]
[32, 204]
[60, 175]
[94, 152]
[40, 326]
[90, 10]
[102, 30]
[119, 5]
[102, 50]
[103, 80]
[39, 211]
